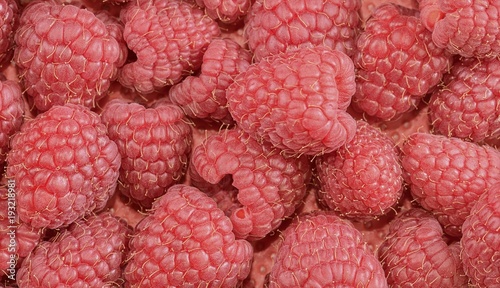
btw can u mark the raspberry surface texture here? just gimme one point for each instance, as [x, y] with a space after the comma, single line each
[270, 185]
[9, 17]
[89, 253]
[64, 166]
[362, 179]
[397, 63]
[186, 241]
[168, 38]
[467, 28]
[204, 96]
[297, 100]
[11, 113]
[154, 144]
[64, 54]
[481, 242]
[467, 106]
[275, 26]
[323, 250]
[448, 175]
[415, 254]
[227, 11]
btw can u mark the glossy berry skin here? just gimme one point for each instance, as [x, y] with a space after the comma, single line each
[9, 17]
[323, 250]
[89, 253]
[65, 54]
[466, 28]
[204, 96]
[272, 27]
[168, 39]
[11, 113]
[296, 100]
[448, 175]
[64, 166]
[415, 254]
[186, 241]
[467, 105]
[362, 179]
[397, 63]
[154, 144]
[270, 185]
[481, 242]
[226, 11]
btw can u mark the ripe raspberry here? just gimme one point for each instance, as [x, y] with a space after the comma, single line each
[323, 250]
[89, 254]
[362, 179]
[467, 28]
[275, 26]
[297, 100]
[415, 254]
[227, 11]
[188, 241]
[205, 96]
[9, 16]
[64, 166]
[447, 175]
[480, 241]
[270, 185]
[11, 113]
[397, 63]
[64, 55]
[467, 105]
[168, 38]
[153, 143]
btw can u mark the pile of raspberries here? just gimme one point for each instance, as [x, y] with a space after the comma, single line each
[250, 143]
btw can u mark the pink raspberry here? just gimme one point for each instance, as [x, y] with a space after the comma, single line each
[9, 16]
[227, 11]
[362, 179]
[11, 113]
[397, 63]
[270, 185]
[65, 55]
[467, 28]
[448, 175]
[204, 96]
[468, 104]
[64, 166]
[323, 250]
[186, 241]
[415, 254]
[89, 253]
[297, 100]
[168, 39]
[273, 26]
[153, 143]
[481, 242]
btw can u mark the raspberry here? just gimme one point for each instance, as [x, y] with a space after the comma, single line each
[480, 241]
[186, 241]
[11, 113]
[227, 11]
[467, 28]
[168, 39]
[415, 254]
[64, 55]
[9, 16]
[467, 106]
[153, 143]
[397, 63]
[88, 254]
[275, 26]
[297, 100]
[323, 250]
[362, 179]
[270, 185]
[64, 166]
[448, 175]
[205, 96]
